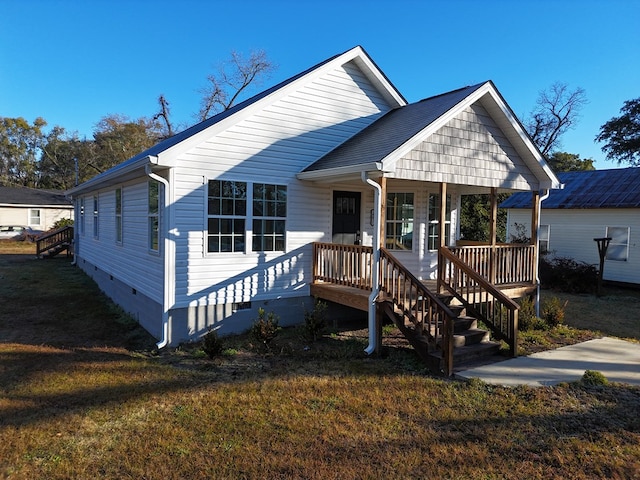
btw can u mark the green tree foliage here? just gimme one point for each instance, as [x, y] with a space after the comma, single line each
[20, 144]
[622, 135]
[475, 216]
[569, 162]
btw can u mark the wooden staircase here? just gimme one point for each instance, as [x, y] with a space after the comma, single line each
[442, 327]
[53, 243]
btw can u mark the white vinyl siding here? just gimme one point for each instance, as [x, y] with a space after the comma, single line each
[269, 147]
[574, 231]
[130, 262]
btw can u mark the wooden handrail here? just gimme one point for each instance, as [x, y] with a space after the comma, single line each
[348, 265]
[50, 240]
[500, 264]
[429, 315]
[481, 298]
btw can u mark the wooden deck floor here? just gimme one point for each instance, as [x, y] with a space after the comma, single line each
[359, 298]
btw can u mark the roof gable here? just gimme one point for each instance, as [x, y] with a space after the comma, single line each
[164, 153]
[379, 146]
[615, 188]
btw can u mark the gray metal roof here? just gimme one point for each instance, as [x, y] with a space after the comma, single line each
[616, 188]
[390, 131]
[32, 196]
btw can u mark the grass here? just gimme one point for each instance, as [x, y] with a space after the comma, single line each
[83, 395]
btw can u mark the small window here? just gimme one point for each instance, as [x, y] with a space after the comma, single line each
[95, 217]
[118, 215]
[269, 213]
[81, 208]
[543, 238]
[226, 216]
[153, 216]
[433, 236]
[34, 216]
[619, 245]
[399, 222]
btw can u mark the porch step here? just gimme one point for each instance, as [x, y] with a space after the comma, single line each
[479, 353]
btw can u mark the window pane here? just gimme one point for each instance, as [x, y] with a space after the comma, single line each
[214, 244]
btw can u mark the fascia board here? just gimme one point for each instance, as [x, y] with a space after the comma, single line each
[169, 156]
[113, 175]
[332, 173]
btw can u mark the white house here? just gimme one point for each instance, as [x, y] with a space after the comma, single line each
[34, 208]
[592, 204]
[204, 228]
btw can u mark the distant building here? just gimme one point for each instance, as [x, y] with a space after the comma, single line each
[34, 208]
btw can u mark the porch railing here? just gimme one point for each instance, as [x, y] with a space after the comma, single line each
[348, 265]
[480, 297]
[500, 264]
[61, 238]
[428, 314]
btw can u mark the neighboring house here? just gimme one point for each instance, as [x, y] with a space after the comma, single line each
[34, 208]
[201, 230]
[592, 204]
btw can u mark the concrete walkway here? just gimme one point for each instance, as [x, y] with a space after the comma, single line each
[618, 360]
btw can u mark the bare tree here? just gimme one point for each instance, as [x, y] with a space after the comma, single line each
[232, 78]
[557, 111]
[164, 113]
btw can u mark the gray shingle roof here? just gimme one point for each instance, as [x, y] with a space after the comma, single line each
[616, 188]
[390, 131]
[32, 196]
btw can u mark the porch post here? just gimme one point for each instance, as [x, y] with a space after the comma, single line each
[535, 219]
[382, 181]
[493, 226]
[441, 233]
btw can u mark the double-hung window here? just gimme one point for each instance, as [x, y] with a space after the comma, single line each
[95, 217]
[118, 215]
[153, 216]
[399, 221]
[34, 216]
[543, 238]
[433, 235]
[269, 214]
[619, 244]
[81, 208]
[226, 216]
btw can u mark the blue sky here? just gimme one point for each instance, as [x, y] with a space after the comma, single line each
[73, 62]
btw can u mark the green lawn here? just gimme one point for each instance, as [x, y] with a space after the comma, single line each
[82, 395]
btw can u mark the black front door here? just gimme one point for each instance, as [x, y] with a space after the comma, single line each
[346, 218]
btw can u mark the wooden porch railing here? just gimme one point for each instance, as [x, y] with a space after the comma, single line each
[58, 238]
[428, 314]
[480, 297]
[500, 264]
[348, 265]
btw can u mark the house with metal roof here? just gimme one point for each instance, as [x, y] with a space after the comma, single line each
[329, 184]
[592, 204]
[34, 208]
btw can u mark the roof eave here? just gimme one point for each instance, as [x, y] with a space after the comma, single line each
[113, 176]
[342, 173]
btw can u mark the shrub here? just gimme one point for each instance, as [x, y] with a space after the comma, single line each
[315, 321]
[265, 328]
[553, 311]
[212, 345]
[593, 378]
[63, 222]
[527, 319]
[568, 275]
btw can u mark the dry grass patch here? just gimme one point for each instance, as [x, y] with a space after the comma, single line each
[82, 395]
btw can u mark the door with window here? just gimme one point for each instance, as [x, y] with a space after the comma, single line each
[346, 218]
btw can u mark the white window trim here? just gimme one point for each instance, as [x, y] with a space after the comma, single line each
[541, 237]
[96, 217]
[437, 222]
[612, 243]
[156, 215]
[118, 216]
[31, 222]
[414, 220]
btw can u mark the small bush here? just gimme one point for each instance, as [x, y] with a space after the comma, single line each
[212, 345]
[568, 275]
[315, 321]
[265, 328]
[527, 314]
[553, 311]
[63, 222]
[593, 378]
